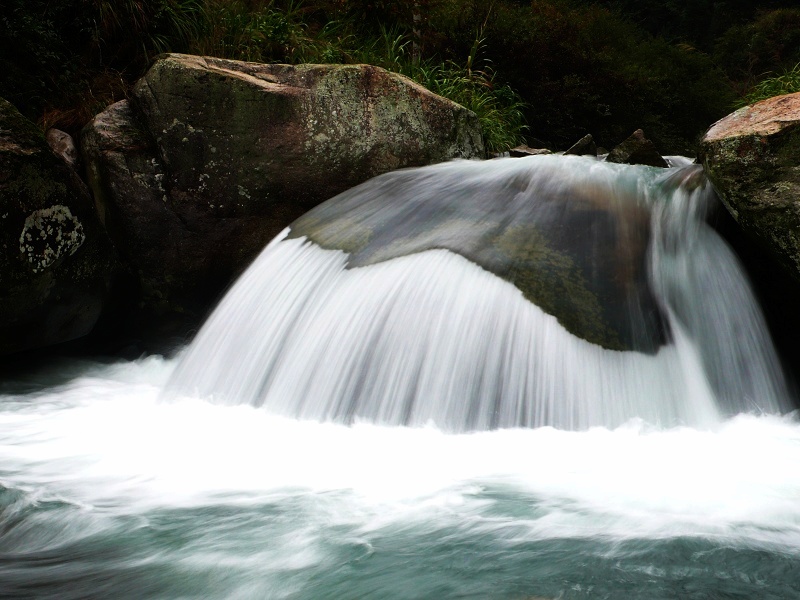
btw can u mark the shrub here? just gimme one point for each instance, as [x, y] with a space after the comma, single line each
[472, 84]
[768, 45]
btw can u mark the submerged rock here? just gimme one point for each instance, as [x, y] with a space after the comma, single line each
[752, 157]
[57, 262]
[572, 240]
[212, 158]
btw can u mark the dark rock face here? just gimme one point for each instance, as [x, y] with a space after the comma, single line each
[752, 157]
[212, 158]
[57, 262]
[172, 257]
[637, 150]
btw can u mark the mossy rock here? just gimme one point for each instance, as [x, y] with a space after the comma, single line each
[211, 158]
[752, 157]
[56, 263]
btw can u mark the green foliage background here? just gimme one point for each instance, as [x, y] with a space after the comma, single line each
[564, 67]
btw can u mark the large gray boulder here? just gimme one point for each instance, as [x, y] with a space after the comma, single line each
[212, 158]
[56, 262]
[752, 157]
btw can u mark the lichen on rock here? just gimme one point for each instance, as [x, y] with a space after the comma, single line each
[57, 262]
[49, 234]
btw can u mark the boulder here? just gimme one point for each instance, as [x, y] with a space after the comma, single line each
[583, 147]
[637, 150]
[212, 158]
[752, 157]
[57, 262]
[63, 145]
[521, 151]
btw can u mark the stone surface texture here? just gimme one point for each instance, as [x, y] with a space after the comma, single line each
[57, 262]
[212, 158]
[637, 150]
[752, 157]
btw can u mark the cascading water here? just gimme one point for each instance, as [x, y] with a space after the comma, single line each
[455, 298]
[416, 297]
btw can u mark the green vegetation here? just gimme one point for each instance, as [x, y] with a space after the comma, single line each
[752, 51]
[786, 82]
[564, 67]
[473, 85]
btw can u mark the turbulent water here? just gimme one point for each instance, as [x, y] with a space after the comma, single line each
[109, 493]
[167, 478]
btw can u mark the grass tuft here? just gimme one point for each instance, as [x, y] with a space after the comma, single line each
[787, 82]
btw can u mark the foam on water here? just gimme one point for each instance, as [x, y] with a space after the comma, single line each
[104, 442]
[107, 492]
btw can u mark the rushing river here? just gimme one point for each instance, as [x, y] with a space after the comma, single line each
[378, 410]
[109, 493]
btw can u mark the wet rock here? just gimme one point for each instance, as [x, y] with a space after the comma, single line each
[56, 263]
[575, 246]
[583, 147]
[637, 150]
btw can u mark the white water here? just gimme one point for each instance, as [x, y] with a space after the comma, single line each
[414, 340]
[107, 492]
[106, 444]
[433, 338]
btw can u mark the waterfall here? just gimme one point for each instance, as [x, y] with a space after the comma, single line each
[548, 290]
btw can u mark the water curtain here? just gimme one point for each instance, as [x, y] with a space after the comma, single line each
[544, 291]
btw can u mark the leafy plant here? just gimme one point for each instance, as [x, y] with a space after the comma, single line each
[473, 84]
